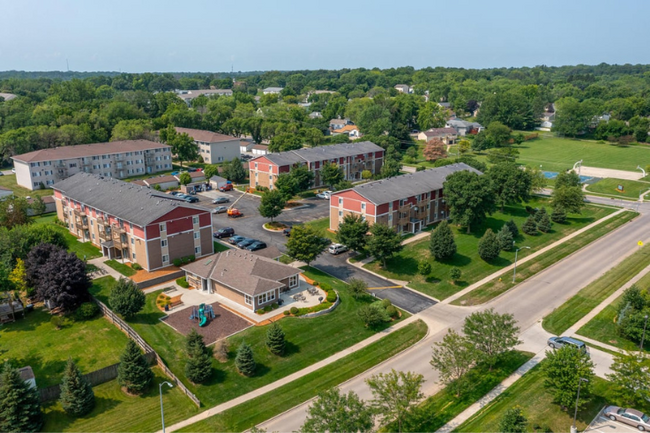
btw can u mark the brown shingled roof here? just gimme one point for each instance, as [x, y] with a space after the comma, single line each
[205, 136]
[85, 150]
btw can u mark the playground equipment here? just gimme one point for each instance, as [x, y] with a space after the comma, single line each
[202, 314]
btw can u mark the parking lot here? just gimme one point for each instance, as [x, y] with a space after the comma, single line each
[605, 425]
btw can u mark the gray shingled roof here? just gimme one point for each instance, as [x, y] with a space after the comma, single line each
[322, 153]
[407, 185]
[136, 204]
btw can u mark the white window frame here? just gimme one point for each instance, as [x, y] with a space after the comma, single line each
[197, 251]
[164, 243]
[195, 219]
[163, 227]
[294, 281]
[248, 299]
[165, 258]
[197, 235]
[266, 297]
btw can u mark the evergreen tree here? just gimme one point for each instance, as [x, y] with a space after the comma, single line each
[504, 237]
[544, 223]
[133, 372]
[442, 244]
[77, 396]
[126, 298]
[530, 226]
[20, 405]
[512, 226]
[558, 215]
[198, 368]
[275, 339]
[244, 361]
[513, 421]
[488, 246]
[539, 214]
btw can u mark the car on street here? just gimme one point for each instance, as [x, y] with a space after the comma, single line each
[236, 239]
[191, 199]
[225, 232]
[220, 209]
[246, 242]
[287, 232]
[226, 187]
[324, 195]
[337, 249]
[557, 342]
[259, 245]
[632, 417]
[220, 200]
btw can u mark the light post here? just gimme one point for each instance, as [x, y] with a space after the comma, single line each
[574, 429]
[162, 413]
[645, 325]
[514, 271]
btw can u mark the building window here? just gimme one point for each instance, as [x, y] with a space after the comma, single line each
[93, 236]
[340, 213]
[165, 258]
[402, 202]
[163, 227]
[197, 235]
[340, 201]
[363, 206]
[133, 255]
[248, 299]
[266, 297]
[163, 243]
[195, 220]
[293, 281]
[197, 251]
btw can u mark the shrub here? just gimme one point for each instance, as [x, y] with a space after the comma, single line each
[325, 287]
[267, 308]
[86, 311]
[358, 288]
[558, 215]
[177, 262]
[386, 303]
[57, 322]
[286, 312]
[221, 350]
[294, 310]
[331, 296]
[488, 246]
[424, 268]
[185, 260]
[530, 210]
[274, 305]
[373, 315]
[182, 281]
[530, 226]
[455, 274]
[192, 258]
[260, 311]
[136, 267]
[392, 311]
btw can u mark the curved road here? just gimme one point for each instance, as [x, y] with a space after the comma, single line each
[530, 301]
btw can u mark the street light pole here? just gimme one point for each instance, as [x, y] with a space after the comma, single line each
[162, 412]
[574, 429]
[645, 325]
[514, 271]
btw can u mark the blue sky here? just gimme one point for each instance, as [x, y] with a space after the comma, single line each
[203, 35]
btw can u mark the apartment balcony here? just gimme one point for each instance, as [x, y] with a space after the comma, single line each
[105, 234]
[81, 222]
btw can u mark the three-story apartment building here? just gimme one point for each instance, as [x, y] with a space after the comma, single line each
[117, 159]
[352, 158]
[132, 222]
[214, 148]
[406, 203]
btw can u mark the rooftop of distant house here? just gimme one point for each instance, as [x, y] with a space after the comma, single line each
[84, 150]
[205, 136]
[7, 96]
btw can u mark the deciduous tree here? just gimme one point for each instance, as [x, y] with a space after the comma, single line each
[453, 357]
[305, 244]
[492, 334]
[185, 178]
[470, 198]
[331, 174]
[435, 149]
[568, 198]
[13, 212]
[272, 204]
[333, 411]
[510, 184]
[353, 231]
[358, 288]
[126, 298]
[563, 369]
[383, 243]
[513, 421]
[631, 377]
[394, 393]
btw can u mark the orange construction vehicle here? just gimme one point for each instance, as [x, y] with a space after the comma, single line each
[233, 212]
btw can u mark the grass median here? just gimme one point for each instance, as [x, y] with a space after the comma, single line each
[266, 406]
[590, 296]
[503, 282]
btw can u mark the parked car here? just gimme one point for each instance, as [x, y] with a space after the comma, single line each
[236, 239]
[287, 232]
[632, 417]
[191, 169]
[557, 342]
[220, 209]
[175, 173]
[337, 249]
[225, 232]
[13, 170]
[176, 193]
[191, 199]
[256, 246]
[324, 195]
[220, 200]
[246, 242]
[226, 187]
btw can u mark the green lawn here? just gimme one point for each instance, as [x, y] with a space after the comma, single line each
[439, 409]
[83, 250]
[589, 297]
[543, 415]
[526, 270]
[9, 181]
[117, 412]
[123, 269]
[404, 266]
[33, 341]
[219, 247]
[322, 227]
[264, 407]
[335, 332]
[632, 188]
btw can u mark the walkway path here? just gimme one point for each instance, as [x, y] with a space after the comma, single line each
[285, 380]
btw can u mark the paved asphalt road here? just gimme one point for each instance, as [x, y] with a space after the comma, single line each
[530, 301]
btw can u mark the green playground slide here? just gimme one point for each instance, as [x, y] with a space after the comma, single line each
[202, 316]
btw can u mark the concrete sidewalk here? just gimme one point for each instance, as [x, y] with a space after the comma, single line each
[288, 379]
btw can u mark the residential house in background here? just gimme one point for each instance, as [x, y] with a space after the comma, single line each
[447, 135]
[315, 115]
[547, 121]
[404, 88]
[352, 158]
[117, 159]
[245, 146]
[260, 149]
[463, 127]
[339, 123]
[213, 147]
[350, 130]
[250, 280]
[48, 201]
[274, 90]
[407, 203]
[188, 95]
[7, 96]
[131, 222]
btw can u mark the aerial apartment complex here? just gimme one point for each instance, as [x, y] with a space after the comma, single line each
[132, 222]
[117, 159]
[407, 203]
[352, 158]
[214, 148]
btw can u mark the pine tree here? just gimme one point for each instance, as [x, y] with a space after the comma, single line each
[488, 246]
[20, 406]
[512, 226]
[77, 396]
[133, 372]
[504, 237]
[275, 339]
[530, 226]
[198, 368]
[244, 361]
[513, 421]
[558, 215]
[539, 214]
[442, 244]
[544, 224]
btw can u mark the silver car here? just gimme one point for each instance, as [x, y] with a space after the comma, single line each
[220, 209]
[557, 342]
[630, 417]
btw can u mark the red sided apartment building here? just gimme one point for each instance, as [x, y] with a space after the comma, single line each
[407, 203]
[132, 222]
[353, 158]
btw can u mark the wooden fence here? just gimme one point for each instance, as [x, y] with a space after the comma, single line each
[130, 332]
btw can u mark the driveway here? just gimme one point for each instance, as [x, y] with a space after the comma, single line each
[406, 299]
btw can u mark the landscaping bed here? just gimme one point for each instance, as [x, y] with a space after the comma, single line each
[275, 226]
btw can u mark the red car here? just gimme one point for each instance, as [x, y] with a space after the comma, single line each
[226, 187]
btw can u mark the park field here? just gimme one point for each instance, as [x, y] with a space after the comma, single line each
[631, 188]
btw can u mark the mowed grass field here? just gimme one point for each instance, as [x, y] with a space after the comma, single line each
[631, 188]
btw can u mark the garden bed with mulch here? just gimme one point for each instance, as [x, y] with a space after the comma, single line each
[224, 324]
